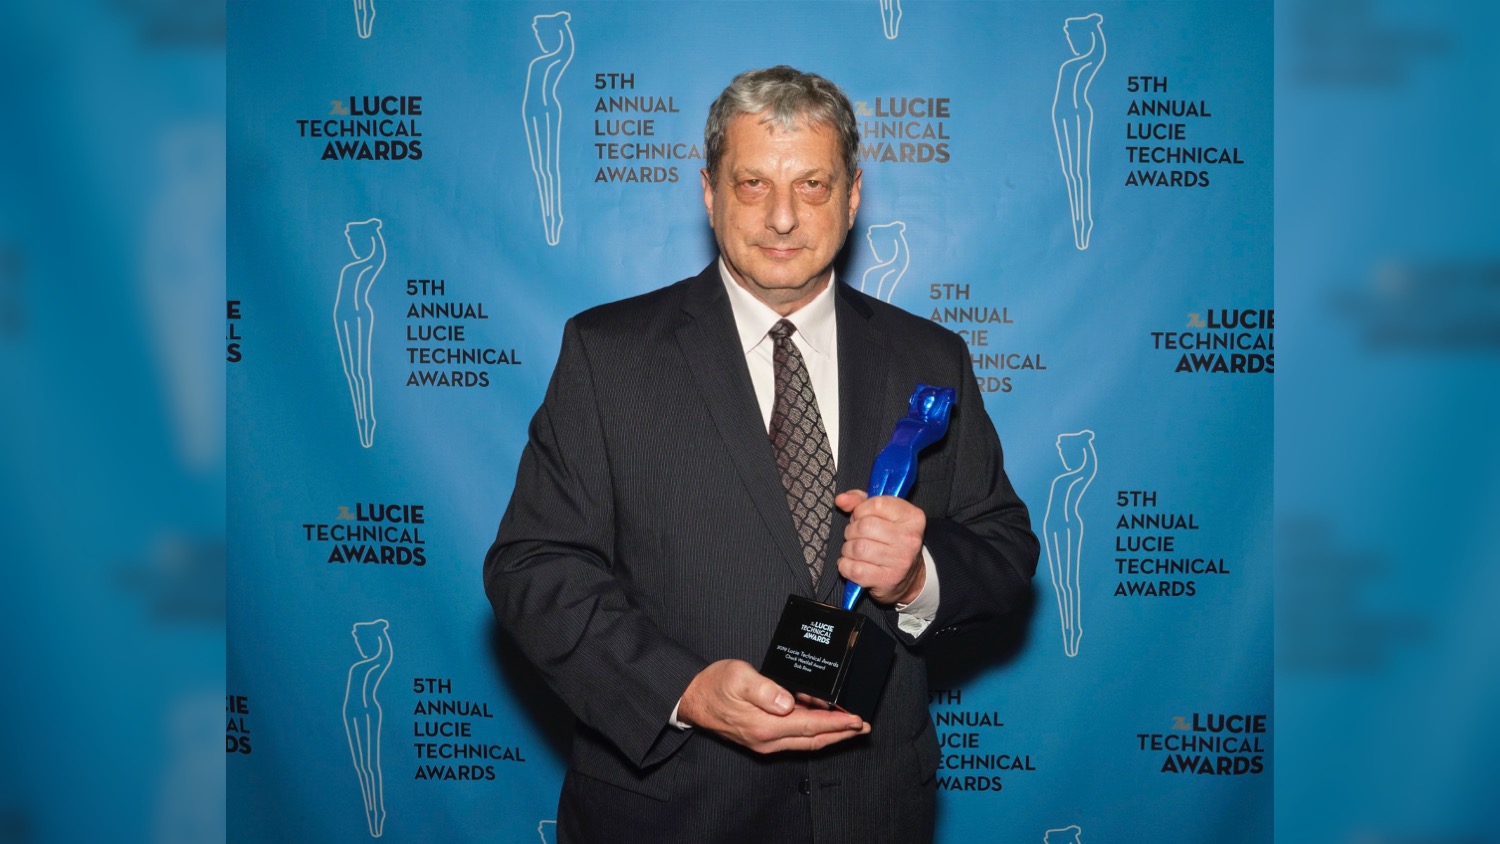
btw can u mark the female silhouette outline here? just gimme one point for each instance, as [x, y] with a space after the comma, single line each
[363, 716]
[1063, 536]
[1073, 118]
[542, 114]
[888, 245]
[354, 320]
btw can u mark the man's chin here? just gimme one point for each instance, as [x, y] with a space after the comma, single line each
[782, 279]
[779, 293]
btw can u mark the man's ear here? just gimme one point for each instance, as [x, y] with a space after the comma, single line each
[859, 176]
[708, 194]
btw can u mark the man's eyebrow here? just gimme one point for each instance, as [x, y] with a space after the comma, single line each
[823, 173]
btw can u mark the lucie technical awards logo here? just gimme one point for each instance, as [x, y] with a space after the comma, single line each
[368, 127]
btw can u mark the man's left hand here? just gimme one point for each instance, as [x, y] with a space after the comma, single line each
[883, 546]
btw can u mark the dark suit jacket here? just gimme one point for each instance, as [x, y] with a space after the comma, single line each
[649, 535]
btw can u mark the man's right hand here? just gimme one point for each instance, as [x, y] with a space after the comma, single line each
[731, 698]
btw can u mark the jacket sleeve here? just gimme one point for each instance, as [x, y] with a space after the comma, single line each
[549, 577]
[982, 544]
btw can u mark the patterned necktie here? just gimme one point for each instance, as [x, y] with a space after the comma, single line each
[802, 452]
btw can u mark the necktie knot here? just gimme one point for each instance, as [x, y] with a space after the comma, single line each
[782, 330]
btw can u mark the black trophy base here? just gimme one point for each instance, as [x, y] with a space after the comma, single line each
[839, 658]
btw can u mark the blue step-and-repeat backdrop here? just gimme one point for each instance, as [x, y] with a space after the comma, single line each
[421, 193]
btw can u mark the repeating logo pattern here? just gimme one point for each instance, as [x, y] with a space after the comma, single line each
[476, 297]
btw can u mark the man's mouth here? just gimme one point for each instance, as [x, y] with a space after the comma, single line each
[780, 252]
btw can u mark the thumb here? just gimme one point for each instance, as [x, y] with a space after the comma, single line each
[771, 697]
[849, 499]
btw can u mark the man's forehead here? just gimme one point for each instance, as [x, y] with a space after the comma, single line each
[776, 124]
[816, 138]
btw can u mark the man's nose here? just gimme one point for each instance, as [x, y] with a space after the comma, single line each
[781, 215]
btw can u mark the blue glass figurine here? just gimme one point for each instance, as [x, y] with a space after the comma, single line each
[895, 467]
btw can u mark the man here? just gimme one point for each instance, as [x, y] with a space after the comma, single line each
[651, 541]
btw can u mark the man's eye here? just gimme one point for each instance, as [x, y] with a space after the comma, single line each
[751, 189]
[815, 190]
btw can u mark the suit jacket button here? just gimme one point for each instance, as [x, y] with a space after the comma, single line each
[805, 786]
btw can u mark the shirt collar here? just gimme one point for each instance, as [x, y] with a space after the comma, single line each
[754, 318]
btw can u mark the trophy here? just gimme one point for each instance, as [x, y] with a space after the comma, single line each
[834, 656]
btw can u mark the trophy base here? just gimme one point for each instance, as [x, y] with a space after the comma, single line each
[837, 658]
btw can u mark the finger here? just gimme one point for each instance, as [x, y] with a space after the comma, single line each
[876, 525]
[876, 552]
[818, 737]
[807, 723]
[877, 530]
[824, 739]
[871, 528]
[858, 571]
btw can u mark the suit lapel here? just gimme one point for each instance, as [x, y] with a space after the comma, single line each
[709, 342]
[864, 399]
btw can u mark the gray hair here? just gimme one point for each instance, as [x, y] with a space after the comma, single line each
[788, 97]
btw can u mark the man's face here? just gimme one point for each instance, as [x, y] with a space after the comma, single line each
[781, 209]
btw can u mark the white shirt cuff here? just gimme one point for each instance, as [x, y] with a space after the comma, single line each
[915, 616]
